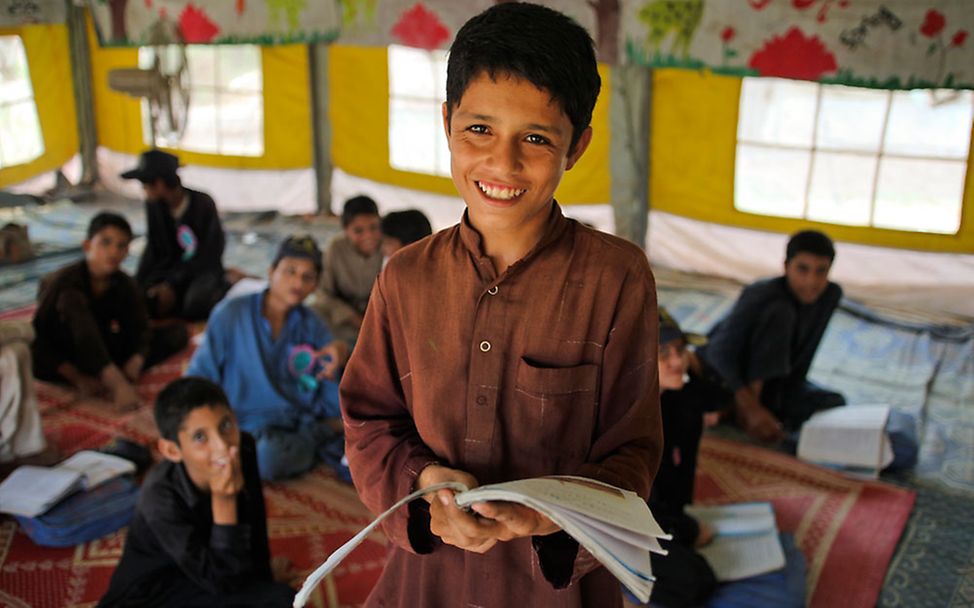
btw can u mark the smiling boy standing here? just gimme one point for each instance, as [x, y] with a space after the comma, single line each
[528, 349]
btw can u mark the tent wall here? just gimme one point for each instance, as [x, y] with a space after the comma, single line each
[49, 62]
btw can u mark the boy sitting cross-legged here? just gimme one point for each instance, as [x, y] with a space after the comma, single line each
[199, 535]
[91, 322]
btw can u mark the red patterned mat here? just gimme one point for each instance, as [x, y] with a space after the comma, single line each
[847, 529]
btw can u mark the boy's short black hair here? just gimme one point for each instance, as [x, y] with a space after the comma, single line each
[304, 247]
[408, 226]
[810, 241]
[356, 206]
[536, 43]
[182, 396]
[105, 219]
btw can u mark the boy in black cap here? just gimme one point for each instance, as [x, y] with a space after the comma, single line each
[278, 364]
[181, 269]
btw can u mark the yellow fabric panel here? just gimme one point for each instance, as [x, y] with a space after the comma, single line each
[118, 117]
[359, 113]
[48, 59]
[694, 134]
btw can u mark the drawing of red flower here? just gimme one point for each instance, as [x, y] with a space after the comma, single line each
[241, 6]
[727, 34]
[793, 56]
[959, 38]
[196, 26]
[420, 28]
[933, 23]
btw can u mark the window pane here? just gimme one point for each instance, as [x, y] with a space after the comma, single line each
[202, 125]
[20, 132]
[412, 73]
[770, 181]
[21, 139]
[202, 65]
[851, 118]
[930, 123]
[413, 126]
[775, 111]
[239, 68]
[241, 124]
[920, 195]
[841, 189]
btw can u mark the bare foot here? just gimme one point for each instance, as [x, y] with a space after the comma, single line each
[123, 394]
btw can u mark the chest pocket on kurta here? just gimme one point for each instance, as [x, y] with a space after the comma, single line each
[556, 407]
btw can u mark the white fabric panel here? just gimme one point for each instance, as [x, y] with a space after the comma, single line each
[940, 282]
[288, 192]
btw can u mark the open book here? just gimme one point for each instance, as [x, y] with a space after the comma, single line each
[614, 525]
[852, 437]
[745, 540]
[31, 491]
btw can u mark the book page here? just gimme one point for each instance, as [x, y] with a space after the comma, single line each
[847, 435]
[30, 490]
[735, 519]
[96, 467]
[737, 557]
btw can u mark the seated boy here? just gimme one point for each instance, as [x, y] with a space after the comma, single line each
[683, 576]
[181, 269]
[352, 261]
[278, 363]
[763, 348]
[401, 228]
[199, 534]
[91, 324]
[527, 349]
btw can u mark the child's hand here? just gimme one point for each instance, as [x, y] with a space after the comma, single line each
[226, 474]
[333, 357]
[133, 367]
[452, 524]
[514, 520]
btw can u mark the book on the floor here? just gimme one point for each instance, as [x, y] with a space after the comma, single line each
[746, 541]
[31, 490]
[851, 437]
[614, 525]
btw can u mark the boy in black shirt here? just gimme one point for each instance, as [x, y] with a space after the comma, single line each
[91, 324]
[199, 535]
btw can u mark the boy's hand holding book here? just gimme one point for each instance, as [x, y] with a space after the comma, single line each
[480, 528]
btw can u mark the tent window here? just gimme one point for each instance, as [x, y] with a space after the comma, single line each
[852, 156]
[21, 139]
[417, 90]
[226, 101]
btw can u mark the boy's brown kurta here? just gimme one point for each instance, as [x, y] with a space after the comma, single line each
[549, 368]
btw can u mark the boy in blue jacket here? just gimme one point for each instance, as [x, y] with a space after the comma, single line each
[278, 364]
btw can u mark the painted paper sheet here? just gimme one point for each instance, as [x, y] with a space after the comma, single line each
[897, 44]
[14, 13]
[140, 22]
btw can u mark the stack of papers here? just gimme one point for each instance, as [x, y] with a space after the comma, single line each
[31, 491]
[745, 540]
[851, 437]
[614, 525]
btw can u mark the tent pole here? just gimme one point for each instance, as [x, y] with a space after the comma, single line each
[630, 109]
[83, 99]
[320, 126]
